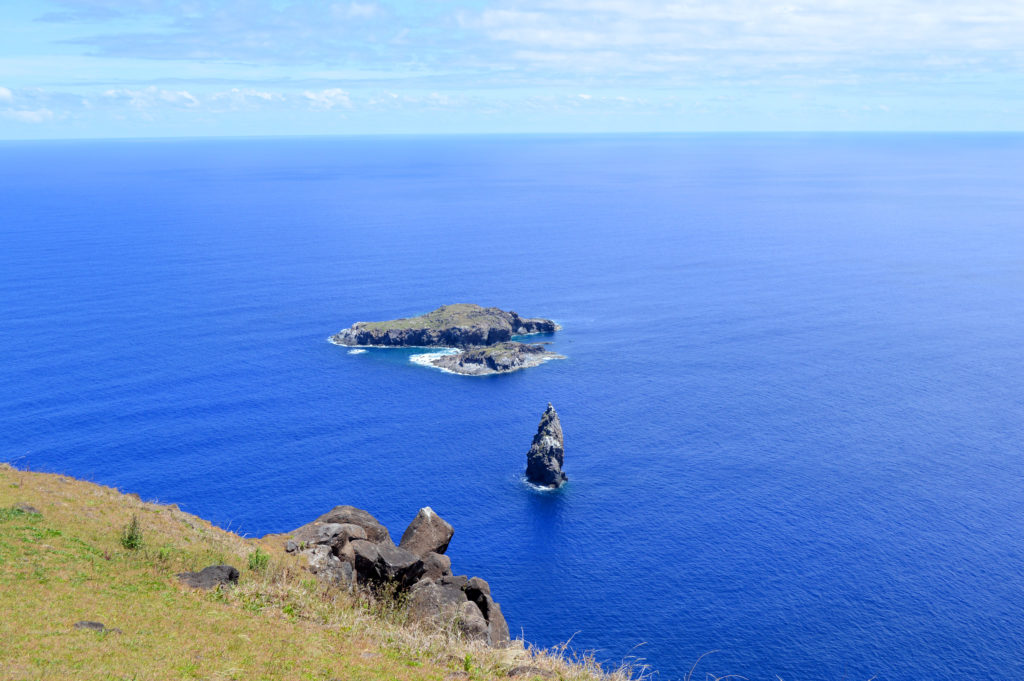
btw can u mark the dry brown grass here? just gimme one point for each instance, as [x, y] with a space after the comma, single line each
[68, 564]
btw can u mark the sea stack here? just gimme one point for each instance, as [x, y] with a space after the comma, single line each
[547, 454]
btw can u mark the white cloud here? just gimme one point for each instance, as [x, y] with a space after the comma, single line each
[434, 101]
[246, 98]
[5, 95]
[29, 116]
[652, 36]
[152, 96]
[358, 10]
[328, 99]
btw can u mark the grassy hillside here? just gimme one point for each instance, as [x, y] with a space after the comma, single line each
[69, 563]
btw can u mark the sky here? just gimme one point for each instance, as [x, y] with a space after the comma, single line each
[156, 68]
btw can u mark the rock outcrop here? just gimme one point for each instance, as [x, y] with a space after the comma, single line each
[547, 454]
[348, 547]
[495, 359]
[459, 326]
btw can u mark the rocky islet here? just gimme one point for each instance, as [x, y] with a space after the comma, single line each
[546, 457]
[482, 335]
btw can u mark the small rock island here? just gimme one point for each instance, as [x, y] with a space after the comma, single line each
[483, 336]
[547, 453]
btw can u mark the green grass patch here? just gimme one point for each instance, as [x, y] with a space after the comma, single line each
[131, 535]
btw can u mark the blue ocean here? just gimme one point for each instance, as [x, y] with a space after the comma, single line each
[793, 398]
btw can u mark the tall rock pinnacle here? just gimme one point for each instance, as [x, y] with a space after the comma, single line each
[546, 455]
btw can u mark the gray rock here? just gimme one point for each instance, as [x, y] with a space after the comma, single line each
[497, 627]
[547, 454]
[210, 577]
[346, 553]
[305, 536]
[479, 592]
[340, 573]
[378, 563]
[95, 626]
[475, 586]
[27, 508]
[399, 565]
[335, 534]
[433, 602]
[531, 672]
[471, 622]
[364, 558]
[329, 567]
[427, 532]
[436, 566]
[375, 532]
[501, 358]
[459, 581]
[291, 546]
[318, 556]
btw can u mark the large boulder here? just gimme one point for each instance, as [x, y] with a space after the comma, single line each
[375, 532]
[330, 534]
[497, 627]
[466, 602]
[459, 581]
[547, 453]
[380, 563]
[330, 568]
[428, 532]
[436, 566]
[434, 602]
[472, 622]
[479, 592]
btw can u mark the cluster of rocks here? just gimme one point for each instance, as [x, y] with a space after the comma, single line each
[496, 359]
[547, 453]
[350, 548]
[460, 325]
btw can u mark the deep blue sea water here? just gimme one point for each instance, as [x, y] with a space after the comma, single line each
[793, 400]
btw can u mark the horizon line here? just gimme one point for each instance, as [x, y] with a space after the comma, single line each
[636, 133]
